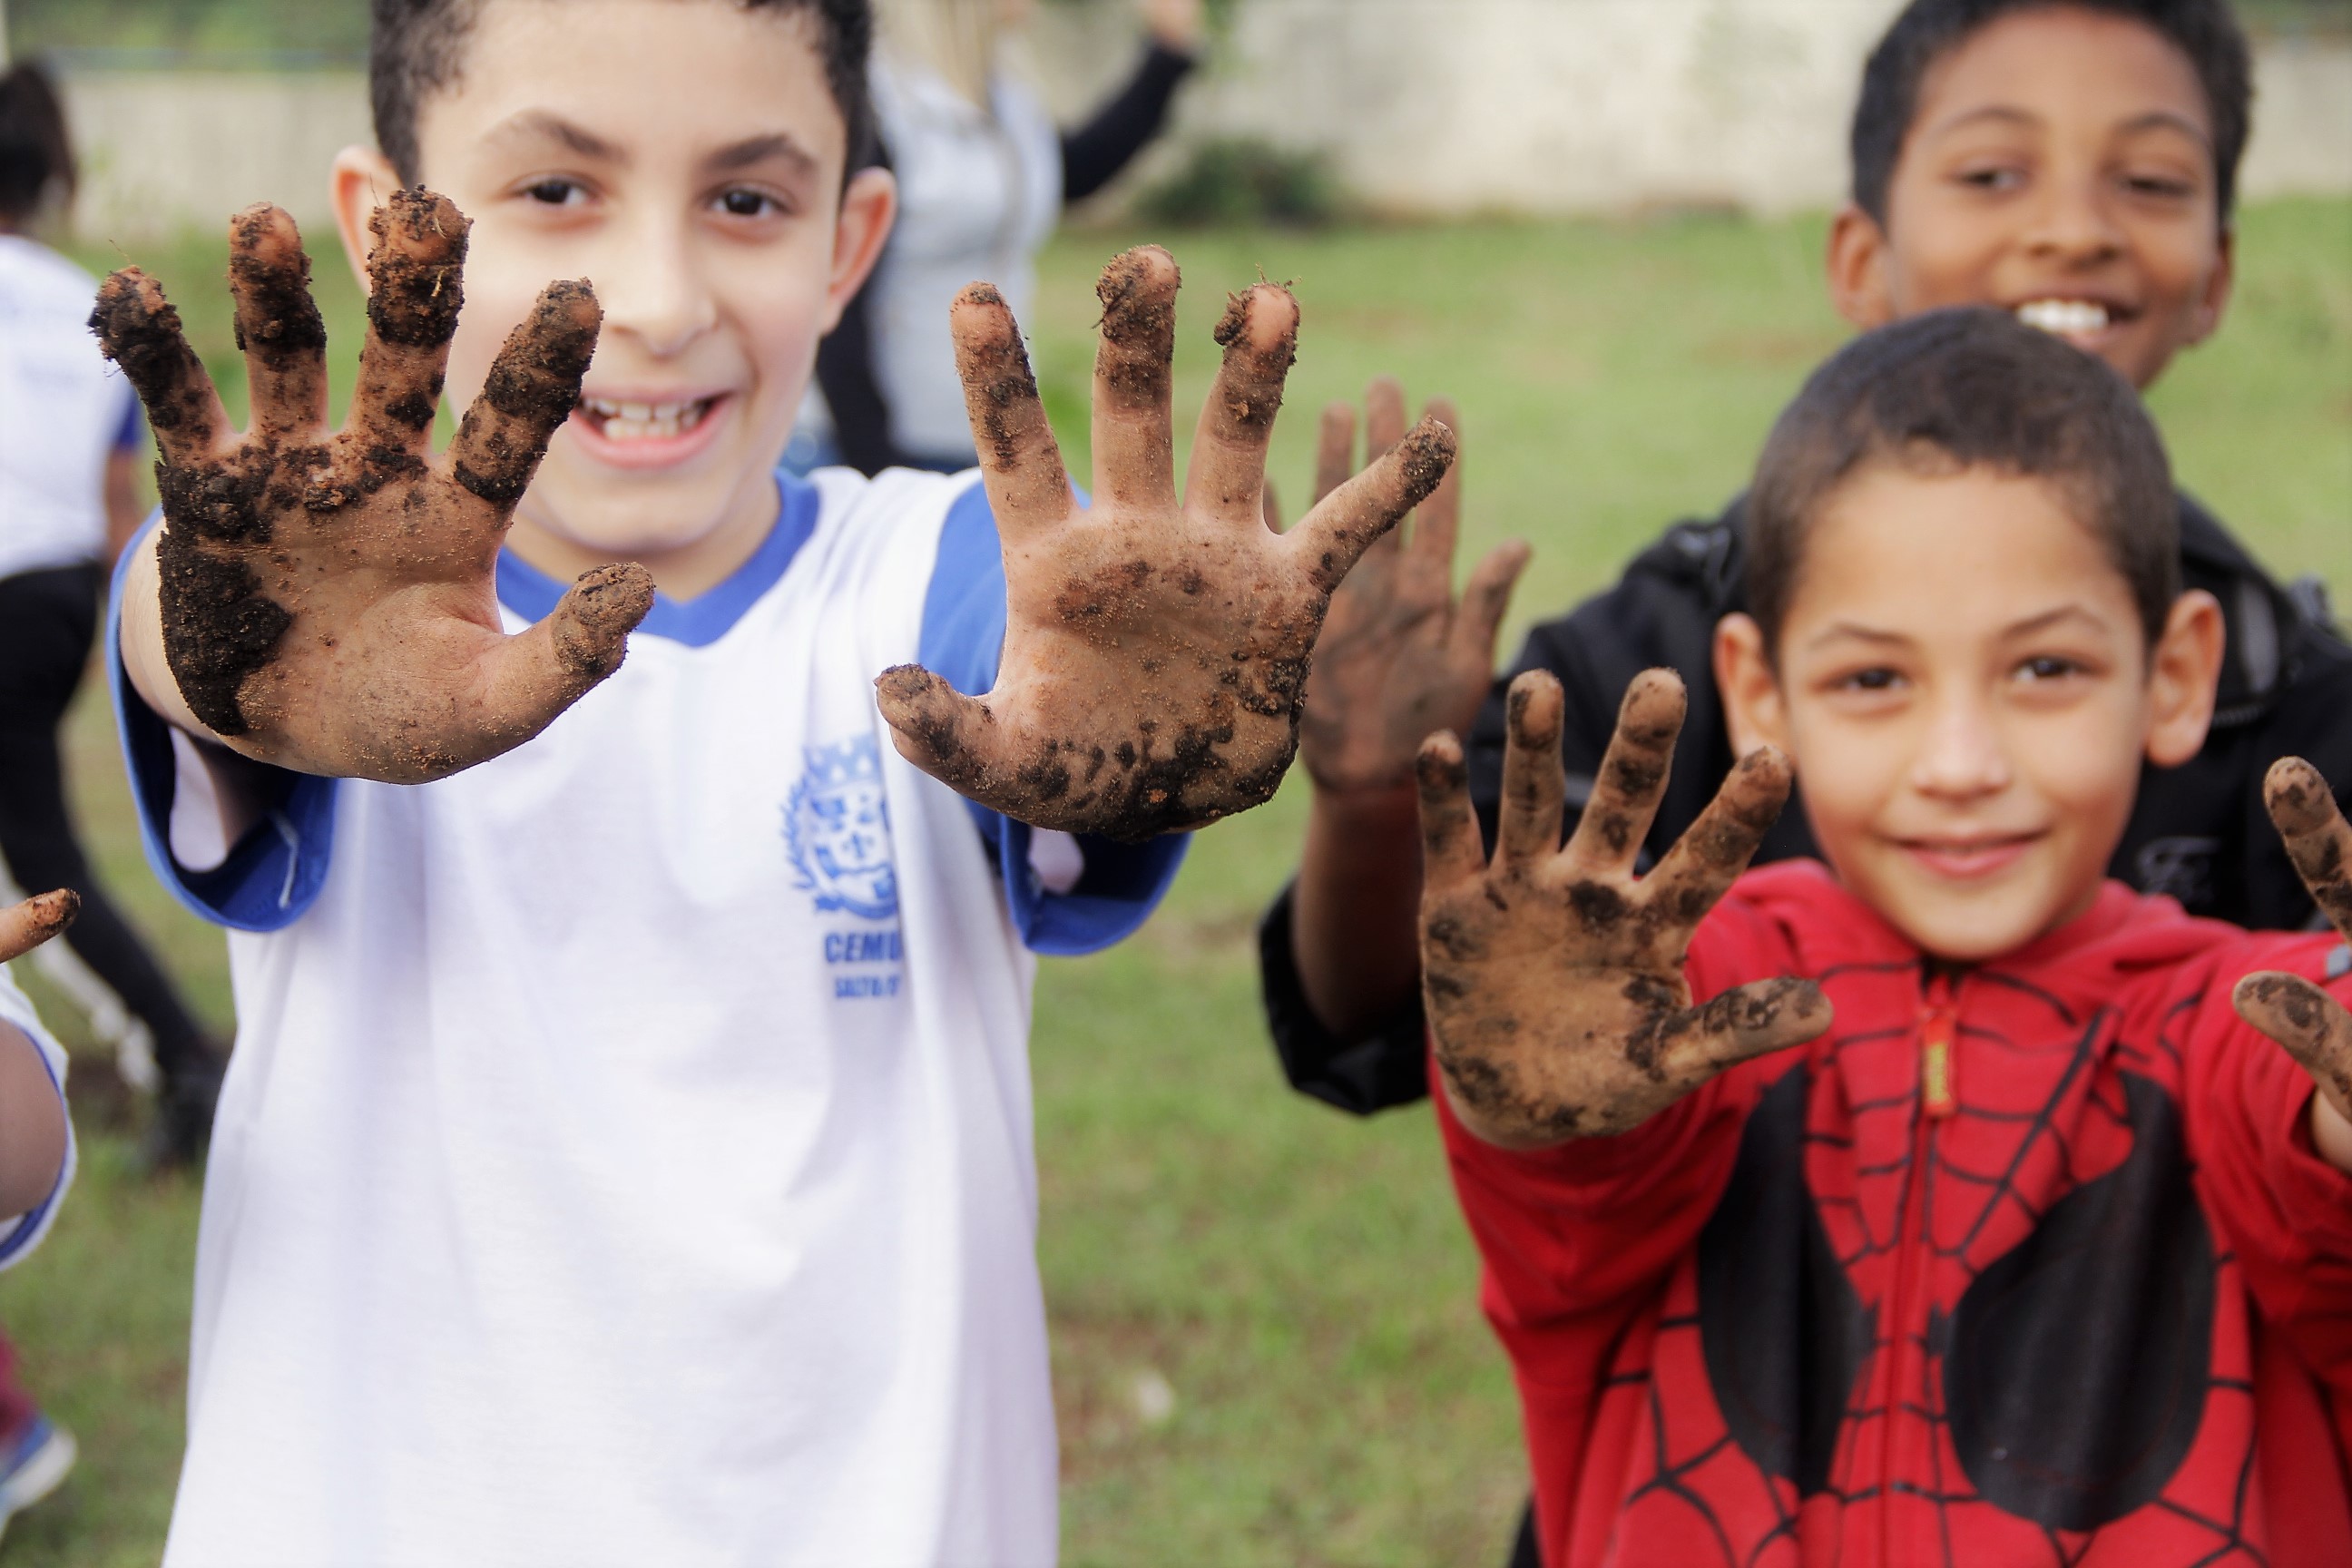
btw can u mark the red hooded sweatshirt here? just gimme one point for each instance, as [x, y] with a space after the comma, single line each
[2035, 1265]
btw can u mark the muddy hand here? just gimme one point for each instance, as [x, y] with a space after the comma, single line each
[25, 926]
[1401, 658]
[327, 596]
[1553, 977]
[2312, 1025]
[1155, 652]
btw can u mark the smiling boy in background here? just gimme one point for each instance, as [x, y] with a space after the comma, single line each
[626, 1155]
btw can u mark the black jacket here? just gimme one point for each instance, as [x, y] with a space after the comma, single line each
[2199, 832]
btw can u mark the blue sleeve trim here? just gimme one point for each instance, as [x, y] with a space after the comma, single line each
[133, 426]
[963, 636]
[275, 872]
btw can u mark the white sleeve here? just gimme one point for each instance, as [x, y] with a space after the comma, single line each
[21, 1234]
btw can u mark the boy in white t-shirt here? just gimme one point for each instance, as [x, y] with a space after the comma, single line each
[627, 1157]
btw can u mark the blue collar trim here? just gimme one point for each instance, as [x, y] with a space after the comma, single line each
[702, 620]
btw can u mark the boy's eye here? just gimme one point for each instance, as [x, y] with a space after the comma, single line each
[2162, 185]
[555, 192]
[749, 204]
[2001, 178]
[2048, 667]
[1879, 679]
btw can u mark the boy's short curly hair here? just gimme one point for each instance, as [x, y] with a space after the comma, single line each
[415, 47]
[2206, 31]
[1964, 388]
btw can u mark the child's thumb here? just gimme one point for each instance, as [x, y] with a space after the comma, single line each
[1751, 1020]
[24, 927]
[940, 730]
[2307, 1023]
[539, 672]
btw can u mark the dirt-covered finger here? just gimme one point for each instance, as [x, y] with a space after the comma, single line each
[1384, 421]
[25, 926]
[1534, 786]
[1331, 538]
[278, 324]
[2308, 1024]
[1633, 777]
[1451, 850]
[532, 387]
[1437, 521]
[138, 329]
[1486, 600]
[1260, 336]
[1134, 437]
[1019, 460]
[1749, 1021]
[530, 679]
[2318, 841]
[1335, 449]
[1715, 850]
[940, 730]
[416, 287]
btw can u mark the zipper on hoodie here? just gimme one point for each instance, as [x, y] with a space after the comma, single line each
[1939, 1031]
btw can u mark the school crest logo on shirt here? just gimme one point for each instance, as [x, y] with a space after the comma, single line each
[837, 830]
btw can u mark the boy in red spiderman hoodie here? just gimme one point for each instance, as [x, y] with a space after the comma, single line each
[1980, 1211]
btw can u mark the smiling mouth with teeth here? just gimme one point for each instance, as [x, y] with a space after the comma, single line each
[2064, 317]
[644, 421]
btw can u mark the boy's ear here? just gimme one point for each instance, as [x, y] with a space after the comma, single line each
[2183, 673]
[1752, 709]
[1859, 286]
[363, 180]
[868, 207]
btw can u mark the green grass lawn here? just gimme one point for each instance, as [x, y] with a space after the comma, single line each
[1296, 1281]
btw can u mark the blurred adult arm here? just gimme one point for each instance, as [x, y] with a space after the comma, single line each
[1093, 154]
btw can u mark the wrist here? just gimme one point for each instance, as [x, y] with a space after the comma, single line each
[2331, 1134]
[1367, 808]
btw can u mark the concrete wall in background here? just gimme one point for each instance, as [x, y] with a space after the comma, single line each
[1424, 107]
[166, 151]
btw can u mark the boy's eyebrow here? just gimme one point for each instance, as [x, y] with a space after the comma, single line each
[2048, 618]
[554, 127]
[2167, 120]
[759, 149]
[2154, 120]
[1856, 630]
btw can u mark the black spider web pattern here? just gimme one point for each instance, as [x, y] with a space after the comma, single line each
[1927, 1164]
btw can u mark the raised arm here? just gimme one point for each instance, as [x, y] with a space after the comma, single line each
[1156, 652]
[1401, 658]
[1552, 976]
[322, 600]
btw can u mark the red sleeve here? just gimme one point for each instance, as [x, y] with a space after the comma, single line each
[2288, 1212]
[1575, 1237]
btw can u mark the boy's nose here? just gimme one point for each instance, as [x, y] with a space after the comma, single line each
[657, 292]
[2072, 222]
[1962, 756]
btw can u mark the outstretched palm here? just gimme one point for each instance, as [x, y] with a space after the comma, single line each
[1401, 658]
[328, 599]
[1553, 977]
[1155, 653]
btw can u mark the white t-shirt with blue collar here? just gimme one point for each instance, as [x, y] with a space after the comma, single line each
[626, 1157]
